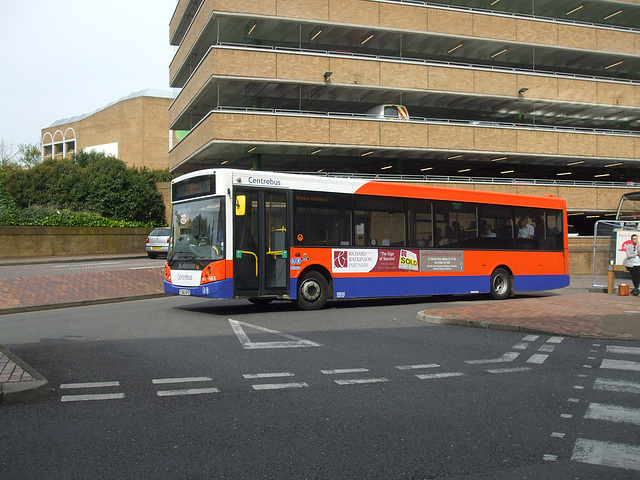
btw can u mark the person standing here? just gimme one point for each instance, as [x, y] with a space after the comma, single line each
[632, 262]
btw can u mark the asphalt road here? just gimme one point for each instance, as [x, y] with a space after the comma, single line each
[187, 388]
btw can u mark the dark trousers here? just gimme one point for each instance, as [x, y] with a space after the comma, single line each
[635, 276]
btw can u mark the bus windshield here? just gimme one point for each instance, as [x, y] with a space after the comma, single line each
[197, 231]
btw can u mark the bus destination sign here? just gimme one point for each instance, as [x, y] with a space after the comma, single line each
[194, 187]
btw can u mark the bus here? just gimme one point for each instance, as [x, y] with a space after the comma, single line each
[266, 236]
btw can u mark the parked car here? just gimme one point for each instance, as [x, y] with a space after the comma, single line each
[571, 231]
[389, 111]
[158, 242]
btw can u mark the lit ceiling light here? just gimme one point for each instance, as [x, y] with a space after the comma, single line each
[366, 153]
[453, 157]
[575, 213]
[498, 159]
[601, 175]
[613, 65]
[494, 2]
[316, 151]
[614, 164]
[499, 52]
[252, 28]
[507, 171]
[319, 171]
[251, 149]
[224, 162]
[367, 39]
[613, 15]
[387, 167]
[454, 48]
[426, 169]
[315, 35]
[575, 163]
[464, 170]
[593, 216]
[574, 10]
[563, 173]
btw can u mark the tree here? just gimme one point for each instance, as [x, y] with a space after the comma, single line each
[7, 155]
[29, 154]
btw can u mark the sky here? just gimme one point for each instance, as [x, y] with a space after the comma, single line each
[62, 58]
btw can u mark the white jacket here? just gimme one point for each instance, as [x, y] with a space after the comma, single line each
[632, 259]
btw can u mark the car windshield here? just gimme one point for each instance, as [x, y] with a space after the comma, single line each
[197, 231]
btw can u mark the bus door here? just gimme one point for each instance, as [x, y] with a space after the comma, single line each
[261, 260]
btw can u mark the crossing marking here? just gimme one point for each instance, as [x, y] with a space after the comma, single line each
[84, 398]
[538, 358]
[509, 370]
[268, 375]
[623, 350]
[339, 371]
[90, 385]
[440, 375]
[278, 386]
[507, 357]
[620, 365]
[417, 367]
[188, 391]
[162, 381]
[361, 381]
[613, 413]
[613, 385]
[608, 454]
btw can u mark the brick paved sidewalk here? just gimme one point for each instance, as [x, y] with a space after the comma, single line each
[578, 315]
[52, 291]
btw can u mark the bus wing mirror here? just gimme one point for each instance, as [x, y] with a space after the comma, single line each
[241, 205]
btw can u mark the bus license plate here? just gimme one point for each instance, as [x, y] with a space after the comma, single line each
[184, 291]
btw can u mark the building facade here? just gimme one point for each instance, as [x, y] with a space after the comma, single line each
[494, 89]
[133, 129]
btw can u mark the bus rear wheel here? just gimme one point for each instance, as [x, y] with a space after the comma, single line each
[501, 283]
[313, 291]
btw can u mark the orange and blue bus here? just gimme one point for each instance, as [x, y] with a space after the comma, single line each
[267, 236]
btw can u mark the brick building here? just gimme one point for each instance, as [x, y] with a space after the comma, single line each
[134, 129]
[495, 89]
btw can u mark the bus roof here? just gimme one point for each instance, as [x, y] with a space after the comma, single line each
[363, 186]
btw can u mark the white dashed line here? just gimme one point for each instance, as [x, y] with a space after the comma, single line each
[279, 386]
[538, 358]
[268, 375]
[84, 398]
[417, 367]
[440, 375]
[188, 391]
[162, 381]
[90, 385]
[361, 381]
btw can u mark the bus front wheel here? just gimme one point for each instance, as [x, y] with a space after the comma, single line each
[501, 282]
[313, 291]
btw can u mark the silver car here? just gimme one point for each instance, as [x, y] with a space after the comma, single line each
[158, 242]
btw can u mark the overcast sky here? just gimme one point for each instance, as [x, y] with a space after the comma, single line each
[62, 58]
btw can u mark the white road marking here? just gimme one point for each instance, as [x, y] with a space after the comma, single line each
[620, 365]
[268, 375]
[84, 398]
[613, 413]
[188, 391]
[293, 342]
[417, 367]
[624, 350]
[344, 370]
[555, 340]
[558, 435]
[161, 381]
[531, 338]
[573, 400]
[547, 348]
[361, 381]
[613, 385]
[507, 357]
[538, 358]
[578, 387]
[616, 455]
[520, 346]
[509, 370]
[550, 458]
[566, 415]
[279, 386]
[90, 385]
[440, 375]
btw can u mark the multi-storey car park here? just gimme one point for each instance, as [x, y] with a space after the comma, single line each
[545, 92]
